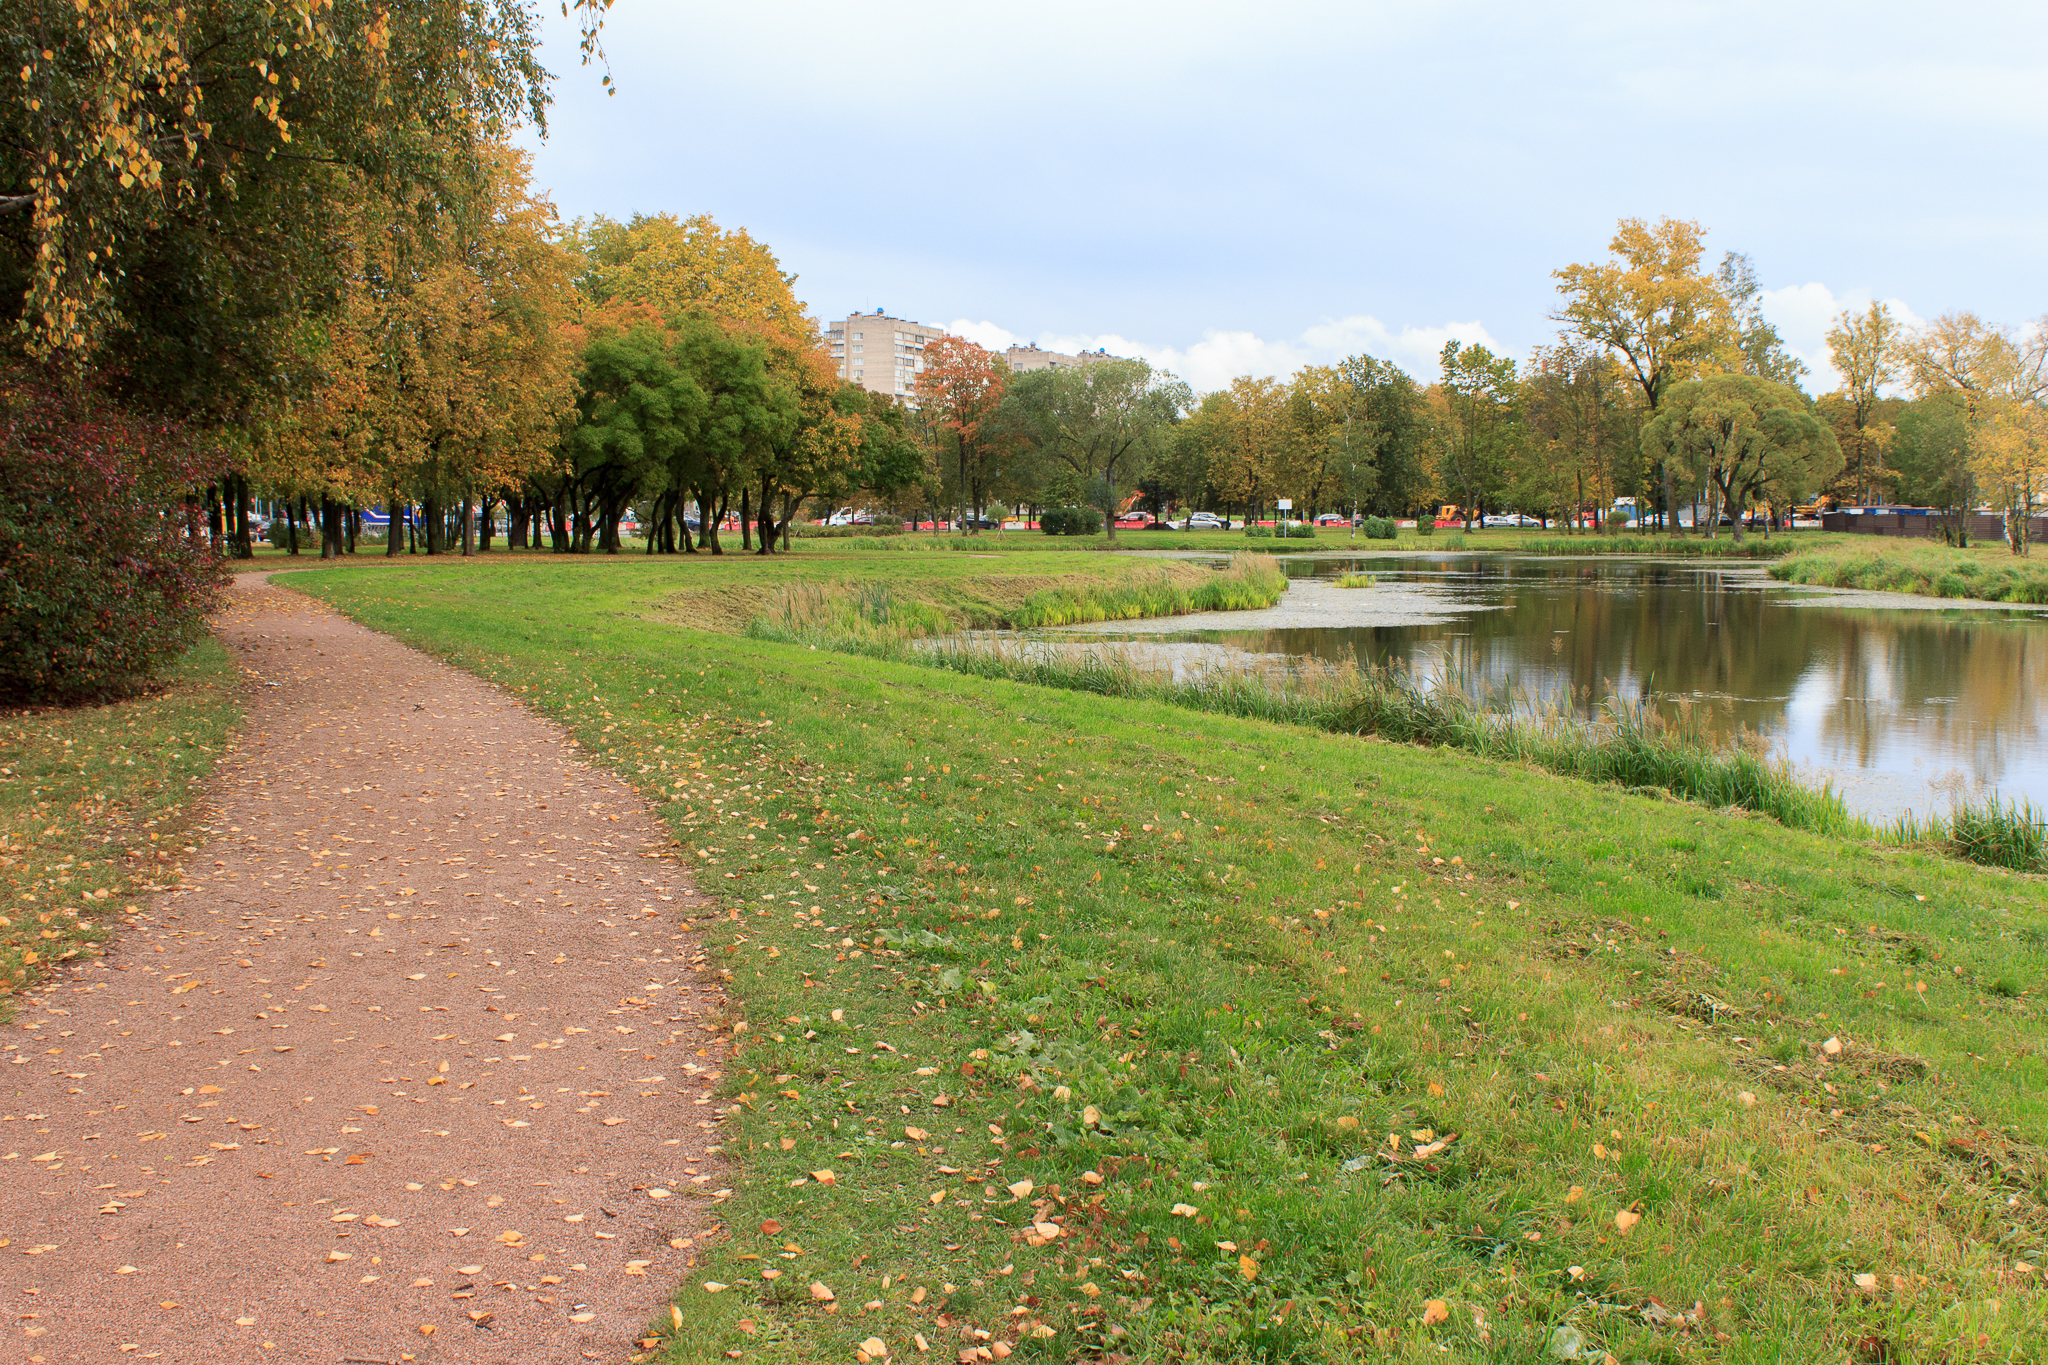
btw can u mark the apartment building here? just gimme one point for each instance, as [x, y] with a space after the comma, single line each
[1026, 358]
[880, 353]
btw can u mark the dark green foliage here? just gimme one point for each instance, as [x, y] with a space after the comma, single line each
[1070, 521]
[1378, 528]
[98, 587]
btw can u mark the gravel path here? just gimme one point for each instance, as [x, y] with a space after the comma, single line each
[415, 1065]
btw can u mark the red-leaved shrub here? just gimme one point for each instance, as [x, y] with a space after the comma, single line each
[99, 582]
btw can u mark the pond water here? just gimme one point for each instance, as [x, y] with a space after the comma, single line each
[1901, 703]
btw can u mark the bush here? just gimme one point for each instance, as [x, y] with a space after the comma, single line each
[1424, 526]
[1295, 530]
[99, 581]
[1379, 528]
[1070, 521]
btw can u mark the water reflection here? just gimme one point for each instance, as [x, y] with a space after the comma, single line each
[1900, 708]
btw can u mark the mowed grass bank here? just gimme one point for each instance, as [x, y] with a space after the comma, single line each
[93, 808]
[1102, 1027]
[1986, 572]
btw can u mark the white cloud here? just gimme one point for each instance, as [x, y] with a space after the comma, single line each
[984, 334]
[1802, 313]
[1221, 356]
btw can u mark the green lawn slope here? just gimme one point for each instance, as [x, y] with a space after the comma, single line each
[1070, 1027]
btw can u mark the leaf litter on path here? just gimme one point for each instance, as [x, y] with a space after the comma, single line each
[379, 905]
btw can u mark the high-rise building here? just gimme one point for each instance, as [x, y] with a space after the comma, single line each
[880, 353]
[1025, 358]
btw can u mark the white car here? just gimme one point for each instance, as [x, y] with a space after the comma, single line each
[1203, 521]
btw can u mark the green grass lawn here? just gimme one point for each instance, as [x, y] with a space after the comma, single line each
[1067, 1026]
[94, 804]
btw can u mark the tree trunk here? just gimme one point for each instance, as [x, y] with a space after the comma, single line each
[746, 518]
[486, 508]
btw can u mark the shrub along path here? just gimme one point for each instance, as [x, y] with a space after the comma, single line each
[413, 1065]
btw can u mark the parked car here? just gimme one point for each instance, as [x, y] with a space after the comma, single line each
[1133, 519]
[1333, 519]
[1161, 526]
[979, 524]
[1204, 521]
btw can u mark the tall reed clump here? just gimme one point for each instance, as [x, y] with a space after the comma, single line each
[1925, 570]
[1753, 547]
[863, 618]
[1994, 832]
[1357, 580]
[1248, 582]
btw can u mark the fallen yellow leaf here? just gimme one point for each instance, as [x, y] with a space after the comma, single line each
[1434, 1311]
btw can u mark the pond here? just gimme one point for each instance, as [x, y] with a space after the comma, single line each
[1902, 703]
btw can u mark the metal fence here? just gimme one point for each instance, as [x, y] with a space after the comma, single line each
[1924, 523]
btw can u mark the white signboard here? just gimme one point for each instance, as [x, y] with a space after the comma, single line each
[1285, 504]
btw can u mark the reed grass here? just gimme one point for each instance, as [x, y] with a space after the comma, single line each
[1924, 570]
[1629, 746]
[1993, 831]
[1691, 547]
[1248, 582]
[857, 618]
[1358, 580]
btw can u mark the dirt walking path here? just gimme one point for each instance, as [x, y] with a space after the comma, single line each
[414, 1066]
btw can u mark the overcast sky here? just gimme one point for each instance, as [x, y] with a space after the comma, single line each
[1246, 188]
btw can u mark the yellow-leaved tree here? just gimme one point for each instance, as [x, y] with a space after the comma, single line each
[445, 373]
[2002, 379]
[1243, 428]
[1653, 304]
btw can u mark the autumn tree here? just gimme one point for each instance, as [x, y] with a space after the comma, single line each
[1867, 353]
[445, 372]
[1653, 305]
[1104, 421]
[782, 437]
[817, 452]
[687, 265]
[1743, 435]
[1483, 430]
[1242, 429]
[959, 396]
[1996, 376]
[1318, 458]
[1582, 450]
[1388, 444]
[162, 164]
